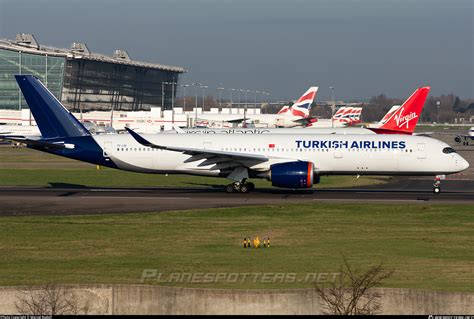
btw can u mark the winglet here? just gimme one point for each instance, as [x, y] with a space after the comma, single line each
[138, 138]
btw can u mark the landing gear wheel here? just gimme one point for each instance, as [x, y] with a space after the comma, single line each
[244, 188]
[229, 188]
[437, 184]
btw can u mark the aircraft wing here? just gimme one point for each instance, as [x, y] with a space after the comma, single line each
[237, 162]
[199, 154]
[36, 143]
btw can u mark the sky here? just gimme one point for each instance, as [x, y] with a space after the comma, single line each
[360, 47]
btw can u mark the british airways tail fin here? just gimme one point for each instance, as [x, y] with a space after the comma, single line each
[347, 115]
[284, 109]
[404, 119]
[303, 105]
[52, 118]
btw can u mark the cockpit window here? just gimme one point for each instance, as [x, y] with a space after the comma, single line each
[448, 150]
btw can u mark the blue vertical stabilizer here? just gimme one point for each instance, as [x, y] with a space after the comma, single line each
[52, 118]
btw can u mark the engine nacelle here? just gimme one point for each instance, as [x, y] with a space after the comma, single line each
[292, 175]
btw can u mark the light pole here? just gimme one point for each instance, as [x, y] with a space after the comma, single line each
[173, 94]
[255, 105]
[172, 97]
[203, 87]
[220, 96]
[162, 96]
[261, 98]
[238, 106]
[196, 84]
[184, 95]
[246, 92]
[333, 106]
[230, 92]
[267, 102]
[438, 104]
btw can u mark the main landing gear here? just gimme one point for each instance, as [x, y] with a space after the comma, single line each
[240, 187]
[437, 185]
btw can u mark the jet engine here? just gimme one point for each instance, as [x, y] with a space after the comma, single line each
[292, 175]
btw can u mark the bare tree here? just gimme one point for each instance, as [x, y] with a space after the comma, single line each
[50, 299]
[352, 292]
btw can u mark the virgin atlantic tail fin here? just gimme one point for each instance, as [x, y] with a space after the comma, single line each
[404, 119]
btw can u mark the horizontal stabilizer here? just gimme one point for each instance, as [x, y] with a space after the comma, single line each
[37, 143]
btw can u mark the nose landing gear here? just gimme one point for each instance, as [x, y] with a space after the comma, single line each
[437, 185]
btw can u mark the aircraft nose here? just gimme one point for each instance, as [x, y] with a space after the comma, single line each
[463, 164]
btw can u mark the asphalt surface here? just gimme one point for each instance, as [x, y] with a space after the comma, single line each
[81, 200]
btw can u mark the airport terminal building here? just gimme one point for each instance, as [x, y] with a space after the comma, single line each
[85, 81]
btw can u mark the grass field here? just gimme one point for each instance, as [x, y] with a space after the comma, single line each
[429, 246]
[441, 128]
[25, 167]
[115, 178]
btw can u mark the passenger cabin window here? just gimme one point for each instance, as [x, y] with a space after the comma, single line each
[448, 150]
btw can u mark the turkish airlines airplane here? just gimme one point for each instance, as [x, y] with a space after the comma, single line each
[287, 160]
[400, 119]
[286, 117]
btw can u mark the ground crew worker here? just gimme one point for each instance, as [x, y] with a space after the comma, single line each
[256, 242]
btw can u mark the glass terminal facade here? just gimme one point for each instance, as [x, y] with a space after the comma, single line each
[86, 84]
[96, 85]
[48, 69]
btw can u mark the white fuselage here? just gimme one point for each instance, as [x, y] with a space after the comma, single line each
[327, 123]
[330, 154]
[259, 120]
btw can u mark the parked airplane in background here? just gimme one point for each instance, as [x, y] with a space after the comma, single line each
[20, 130]
[32, 131]
[344, 117]
[465, 139]
[286, 117]
[392, 123]
[287, 160]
